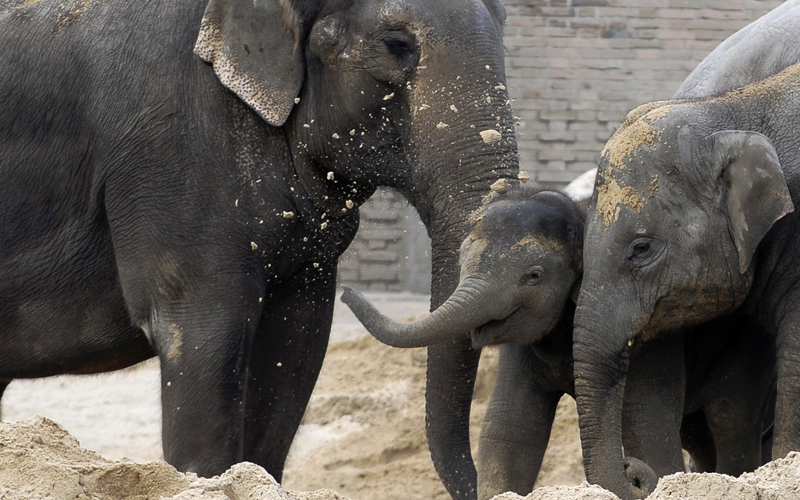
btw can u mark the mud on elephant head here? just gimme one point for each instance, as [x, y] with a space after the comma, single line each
[519, 265]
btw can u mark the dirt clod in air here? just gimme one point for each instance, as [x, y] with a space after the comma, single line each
[500, 186]
[491, 136]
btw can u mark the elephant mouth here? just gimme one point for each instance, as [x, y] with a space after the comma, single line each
[490, 333]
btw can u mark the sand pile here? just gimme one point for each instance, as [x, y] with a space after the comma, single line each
[40, 459]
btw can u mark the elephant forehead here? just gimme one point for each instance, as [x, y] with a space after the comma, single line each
[545, 244]
[631, 137]
[610, 198]
[474, 245]
[626, 145]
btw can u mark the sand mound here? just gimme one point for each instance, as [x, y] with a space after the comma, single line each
[40, 459]
[777, 480]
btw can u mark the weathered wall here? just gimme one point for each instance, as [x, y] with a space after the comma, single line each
[574, 68]
[391, 250]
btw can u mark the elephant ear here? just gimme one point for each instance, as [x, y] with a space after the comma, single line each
[254, 47]
[755, 191]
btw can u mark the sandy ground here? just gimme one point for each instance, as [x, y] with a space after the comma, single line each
[363, 434]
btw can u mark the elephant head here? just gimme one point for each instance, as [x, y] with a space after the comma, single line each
[519, 265]
[681, 205]
[403, 93]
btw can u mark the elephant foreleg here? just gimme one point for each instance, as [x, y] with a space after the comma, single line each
[516, 427]
[452, 367]
[787, 404]
[203, 352]
[653, 404]
[285, 361]
[739, 398]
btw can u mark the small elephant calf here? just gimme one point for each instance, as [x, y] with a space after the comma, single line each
[521, 268]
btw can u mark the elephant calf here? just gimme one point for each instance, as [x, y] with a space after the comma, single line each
[521, 268]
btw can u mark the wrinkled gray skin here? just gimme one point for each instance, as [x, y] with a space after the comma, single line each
[691, 220]
[522, 259]
[179, 178]
[760, 49]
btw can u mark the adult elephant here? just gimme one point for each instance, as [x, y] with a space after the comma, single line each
[180, 177]
[757, 51]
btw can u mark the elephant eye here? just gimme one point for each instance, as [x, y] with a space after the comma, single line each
[643, 251]
[533, 276]
[398, 47]
[640, 249]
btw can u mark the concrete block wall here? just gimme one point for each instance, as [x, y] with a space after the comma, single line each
[574, 69]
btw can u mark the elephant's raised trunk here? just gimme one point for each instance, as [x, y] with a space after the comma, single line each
[465, 310]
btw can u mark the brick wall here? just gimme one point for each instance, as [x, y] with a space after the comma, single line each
[574, 68]
[391, 251]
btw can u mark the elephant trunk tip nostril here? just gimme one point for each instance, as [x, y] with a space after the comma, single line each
[640, 476]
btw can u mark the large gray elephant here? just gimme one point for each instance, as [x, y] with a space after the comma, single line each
[691, 220]
[521, 269]
[757, 51]
[178, 178]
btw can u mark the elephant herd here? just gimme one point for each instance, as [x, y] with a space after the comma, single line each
[178, 178]
[665, 303]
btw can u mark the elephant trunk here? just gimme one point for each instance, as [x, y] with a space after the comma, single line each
[466, 309]
[601, 367]
[462, 141]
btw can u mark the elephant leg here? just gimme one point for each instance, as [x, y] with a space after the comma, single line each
[697, 439]
[653, 406]
[768, 426]
[737, 434]
[736, 403]
[738, 397]
[285, 361]
[516, 427]
[203, 349]
[787, 404]
[452, 368]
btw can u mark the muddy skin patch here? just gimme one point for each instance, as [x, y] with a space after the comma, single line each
[176, 342]
[653, 187]
[776, 85]
[473, 246]
[636, 134]
[611, 195]
[547, 244]
[69, 12]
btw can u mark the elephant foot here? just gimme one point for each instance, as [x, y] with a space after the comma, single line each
[640, 476]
